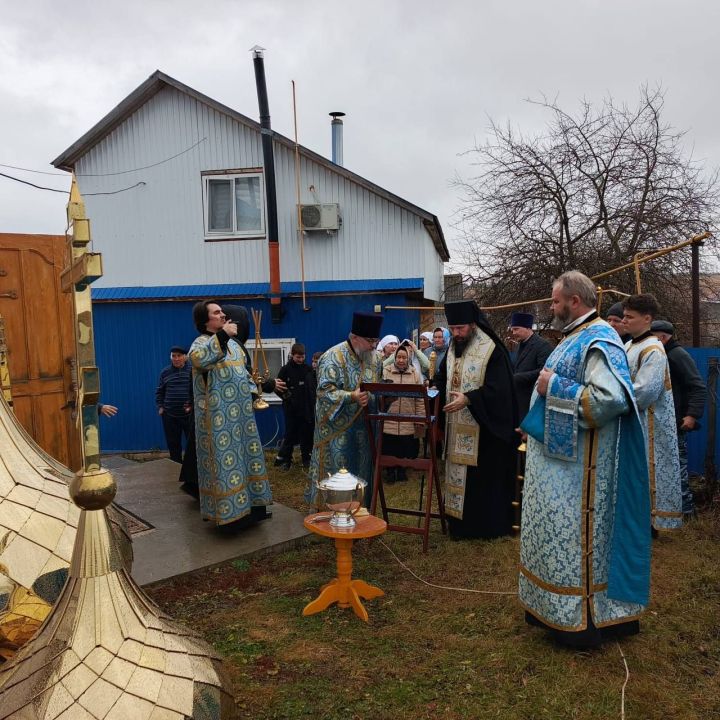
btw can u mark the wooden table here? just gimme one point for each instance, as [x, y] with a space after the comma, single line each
[343, 590]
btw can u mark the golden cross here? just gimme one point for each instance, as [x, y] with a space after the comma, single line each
[83, 268]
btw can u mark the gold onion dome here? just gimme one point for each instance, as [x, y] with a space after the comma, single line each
[38, 523]
[106, 651]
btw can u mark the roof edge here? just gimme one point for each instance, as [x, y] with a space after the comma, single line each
[262, 289]
[155, 82]
[126, 107]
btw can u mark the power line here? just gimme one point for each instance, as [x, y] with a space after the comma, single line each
[145, 167]
[37, 172]
[119, 172]
[115, 192]
[65, 192]
[26, 182]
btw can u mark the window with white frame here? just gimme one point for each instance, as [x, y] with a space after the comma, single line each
[277, 353]
[234, 204]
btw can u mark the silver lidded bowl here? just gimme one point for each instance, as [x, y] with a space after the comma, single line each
[342, 493]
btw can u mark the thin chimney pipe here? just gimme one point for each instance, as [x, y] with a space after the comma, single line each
[336, 126]
[270, 191]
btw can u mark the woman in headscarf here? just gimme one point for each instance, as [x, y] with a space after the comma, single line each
[387, 346]
[401, 438]
[426, 342]
[440, 343]
[417, 359]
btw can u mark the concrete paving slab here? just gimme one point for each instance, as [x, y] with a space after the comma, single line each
[181, 541]
[116, 461]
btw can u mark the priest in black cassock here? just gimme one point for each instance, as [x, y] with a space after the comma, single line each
[477, 394]
[532, 352]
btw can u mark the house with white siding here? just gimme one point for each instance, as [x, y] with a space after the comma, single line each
[175, 188]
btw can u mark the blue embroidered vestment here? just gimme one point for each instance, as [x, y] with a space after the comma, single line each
[231, 464]
[585, 542]
[341, 438]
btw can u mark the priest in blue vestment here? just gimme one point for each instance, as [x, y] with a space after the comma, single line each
[585, 534]
[232, 479]
[341, 439]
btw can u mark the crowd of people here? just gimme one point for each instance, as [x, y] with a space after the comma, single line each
[604, 414]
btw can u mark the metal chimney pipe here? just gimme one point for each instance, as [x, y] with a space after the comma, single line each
[270, 192]
[337, 137]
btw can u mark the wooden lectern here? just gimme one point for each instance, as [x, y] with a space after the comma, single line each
[385, 394]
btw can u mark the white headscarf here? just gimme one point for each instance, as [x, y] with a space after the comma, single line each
[428, 336]
[387, 339]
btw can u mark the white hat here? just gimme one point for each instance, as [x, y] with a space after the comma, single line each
[387, 339]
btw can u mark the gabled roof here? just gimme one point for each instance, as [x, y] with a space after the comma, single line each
[158, 80]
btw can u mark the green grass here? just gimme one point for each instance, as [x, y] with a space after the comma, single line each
[447, 655]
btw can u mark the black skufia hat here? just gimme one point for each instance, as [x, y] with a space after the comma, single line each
[366, 325]
[522, 319]
[462, 312]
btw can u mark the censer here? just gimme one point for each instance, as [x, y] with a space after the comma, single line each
[259, 356]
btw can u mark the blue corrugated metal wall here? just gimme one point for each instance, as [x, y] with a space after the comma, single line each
[133, 343]
[697, 441]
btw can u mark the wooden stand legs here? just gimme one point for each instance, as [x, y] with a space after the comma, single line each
[343, 590]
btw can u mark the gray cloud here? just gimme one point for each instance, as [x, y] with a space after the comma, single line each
[417, 79]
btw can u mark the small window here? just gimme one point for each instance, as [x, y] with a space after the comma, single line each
[277, 353]
[234, 205]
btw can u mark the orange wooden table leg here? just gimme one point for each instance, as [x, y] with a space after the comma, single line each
[338, 590]
[344, 570]
[365, 590]
[356, 605]
[326, 598]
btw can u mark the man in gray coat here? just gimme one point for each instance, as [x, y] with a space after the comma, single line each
[689, 395]
[532, 352]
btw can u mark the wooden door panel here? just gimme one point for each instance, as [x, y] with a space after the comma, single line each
[39, 330]
[42, 310]
[12, 311]
[50, 424]
[22, 407]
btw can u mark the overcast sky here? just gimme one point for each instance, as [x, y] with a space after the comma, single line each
[418, 80]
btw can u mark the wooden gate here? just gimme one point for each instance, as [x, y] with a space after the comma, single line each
[39, 335]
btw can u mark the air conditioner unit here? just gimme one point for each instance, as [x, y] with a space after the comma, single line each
[325, 216]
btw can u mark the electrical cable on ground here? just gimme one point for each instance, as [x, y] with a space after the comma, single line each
[627, 677]
[277, 432]
[445, 587]
[503, 592]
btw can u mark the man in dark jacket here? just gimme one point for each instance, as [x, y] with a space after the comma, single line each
[689, 395]
[172, 398]
[297, 408]
[532, 352]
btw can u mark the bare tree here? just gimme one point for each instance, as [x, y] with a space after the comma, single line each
[589, 193]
